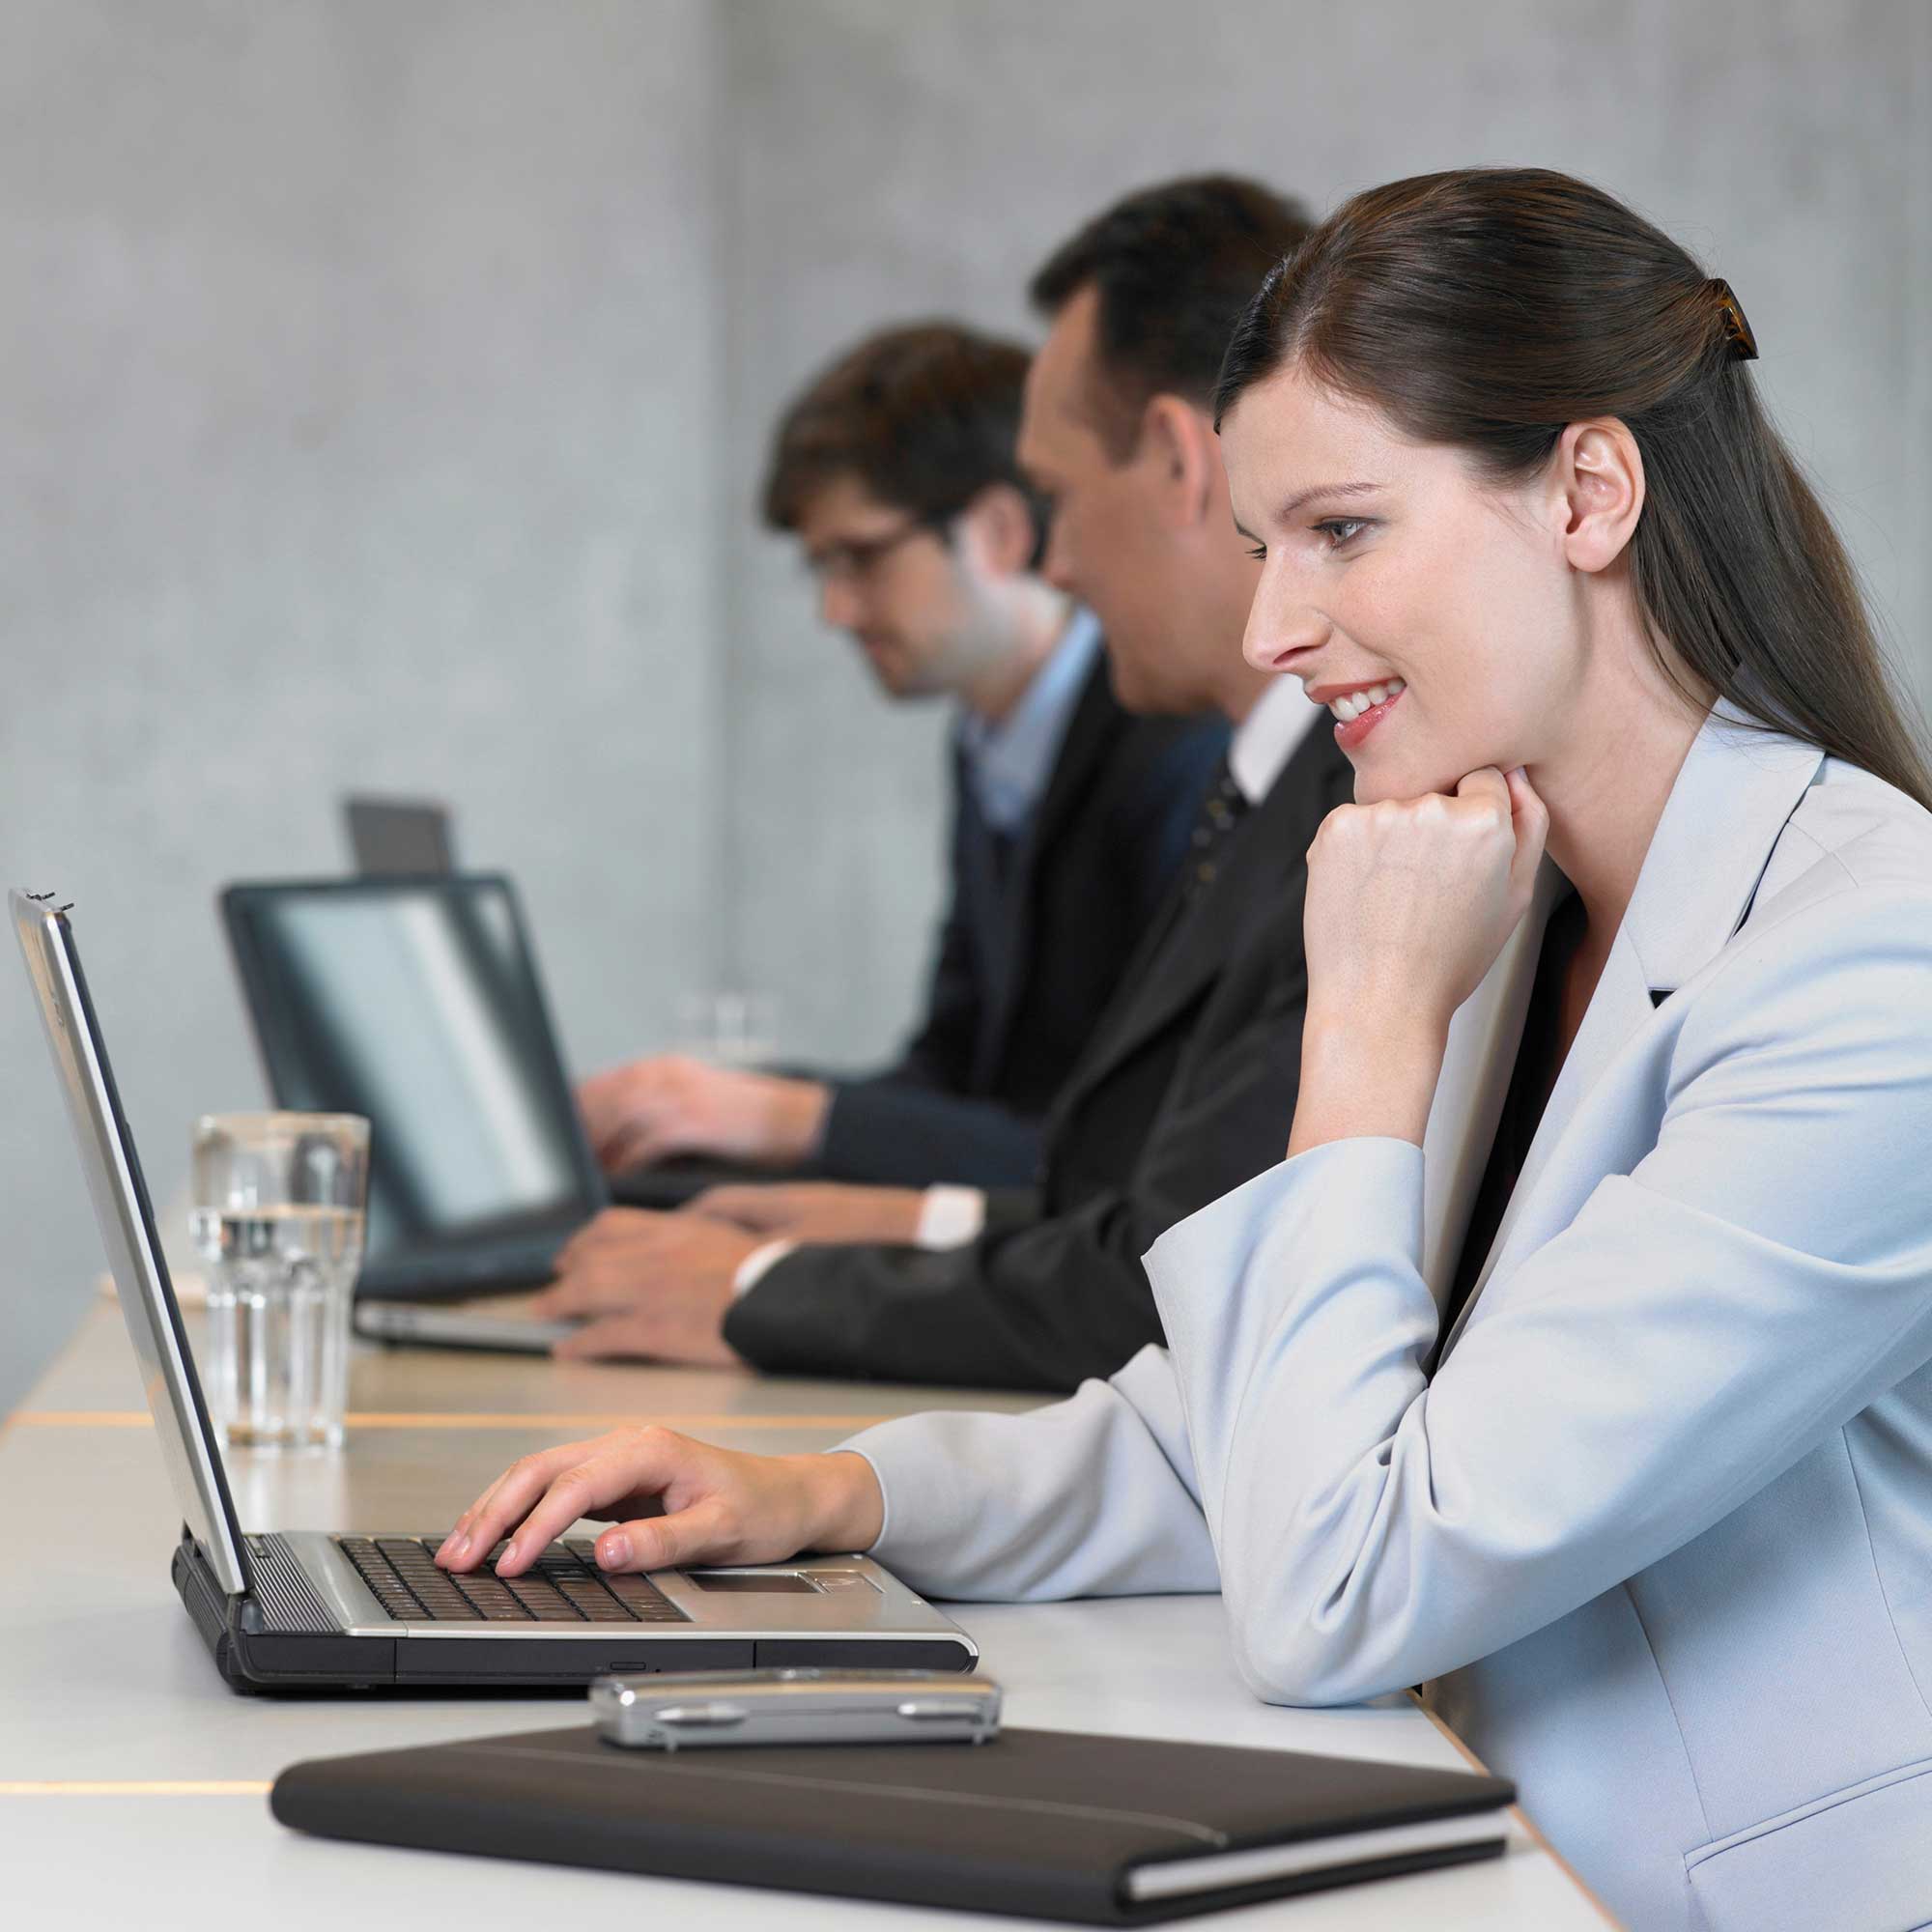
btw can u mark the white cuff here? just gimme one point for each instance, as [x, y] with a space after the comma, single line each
[756, 1265]
[948, 1217]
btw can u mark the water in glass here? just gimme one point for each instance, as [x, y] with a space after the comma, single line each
[278, 1223]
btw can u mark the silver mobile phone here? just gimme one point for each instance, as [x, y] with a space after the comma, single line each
[796, 1707]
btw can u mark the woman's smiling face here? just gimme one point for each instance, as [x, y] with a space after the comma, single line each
[1436, 613]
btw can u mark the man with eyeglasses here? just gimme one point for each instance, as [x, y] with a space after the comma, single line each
[896, 470]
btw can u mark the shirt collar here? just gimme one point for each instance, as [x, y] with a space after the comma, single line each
[1269, 735]
[1009, 764]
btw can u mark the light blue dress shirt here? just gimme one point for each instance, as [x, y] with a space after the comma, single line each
[1009, 764]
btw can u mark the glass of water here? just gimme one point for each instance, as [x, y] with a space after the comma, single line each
[278, 1216]
[727, 1028]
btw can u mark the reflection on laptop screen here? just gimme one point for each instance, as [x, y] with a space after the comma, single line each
[416, 1003]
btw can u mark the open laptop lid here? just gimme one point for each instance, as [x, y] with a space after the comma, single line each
[126, 1221]
[391, 835]
[415, 1002]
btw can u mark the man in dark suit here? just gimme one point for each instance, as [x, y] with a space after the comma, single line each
[895, 469]
[1187, 1087]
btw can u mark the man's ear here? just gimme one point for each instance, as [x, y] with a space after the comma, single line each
[1598, 491]
[999, 528]
[1178, 441]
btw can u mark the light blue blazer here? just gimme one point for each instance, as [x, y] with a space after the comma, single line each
[1657, 1536]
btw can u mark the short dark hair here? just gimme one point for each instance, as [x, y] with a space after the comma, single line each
[1175, 267]
[924, 417]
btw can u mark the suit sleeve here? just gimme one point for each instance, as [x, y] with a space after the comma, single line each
[895, 1131]
[1756, 1279]
[1052, 1302]
[1096, 1495]
[912, 1123]
[939, 1055]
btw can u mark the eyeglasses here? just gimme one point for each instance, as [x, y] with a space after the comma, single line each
[858, 557]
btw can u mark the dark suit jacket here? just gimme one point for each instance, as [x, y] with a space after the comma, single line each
[1034, 944]
[1186, 1092]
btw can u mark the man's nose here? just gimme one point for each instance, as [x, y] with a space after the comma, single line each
[838, 602]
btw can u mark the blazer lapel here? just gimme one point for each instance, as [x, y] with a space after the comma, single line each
[1096, 723]
[1736, 791]
[1192, 941]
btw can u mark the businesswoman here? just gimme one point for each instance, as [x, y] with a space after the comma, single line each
[1577, 1361]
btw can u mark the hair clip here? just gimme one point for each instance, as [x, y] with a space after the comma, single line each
[1737, 331]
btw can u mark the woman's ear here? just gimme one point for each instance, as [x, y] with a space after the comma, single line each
[1000, 526]
[1598, 481]
[1179, 443]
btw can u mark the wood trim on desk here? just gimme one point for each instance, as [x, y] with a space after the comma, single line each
[79, 1418]
[166, 1787]
[139, 1418]
[1522, 1817]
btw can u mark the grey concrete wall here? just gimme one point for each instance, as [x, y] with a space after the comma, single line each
[357, 381]
[383, 386]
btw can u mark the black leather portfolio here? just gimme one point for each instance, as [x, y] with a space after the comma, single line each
[1102, 1831]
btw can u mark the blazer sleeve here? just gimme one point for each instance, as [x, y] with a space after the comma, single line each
[914, 1122]
[1096, 1495]
[1052, 1302]
[1755, 1280]
[895, 1132]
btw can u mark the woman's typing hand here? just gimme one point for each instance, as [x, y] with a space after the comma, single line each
[718, 1505]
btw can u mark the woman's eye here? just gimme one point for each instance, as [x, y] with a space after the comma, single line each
[1340, 531]
[1260, 552]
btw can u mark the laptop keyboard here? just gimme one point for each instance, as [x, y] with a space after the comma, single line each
[562, 1586]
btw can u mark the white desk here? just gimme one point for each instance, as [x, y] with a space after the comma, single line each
[133, 1781]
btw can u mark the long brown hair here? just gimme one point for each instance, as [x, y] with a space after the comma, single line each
[1488, 308]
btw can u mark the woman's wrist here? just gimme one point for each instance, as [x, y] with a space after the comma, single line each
[845, 1506]
[1366, 1075]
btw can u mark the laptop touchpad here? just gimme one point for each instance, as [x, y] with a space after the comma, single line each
[757, 1582]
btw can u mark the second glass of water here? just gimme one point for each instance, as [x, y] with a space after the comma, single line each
[278, 1216]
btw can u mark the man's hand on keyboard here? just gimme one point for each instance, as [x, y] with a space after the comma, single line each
[648, 1283]
[652, 1109]
[720, 1505]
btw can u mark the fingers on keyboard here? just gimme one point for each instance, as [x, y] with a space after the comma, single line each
[563, 1586]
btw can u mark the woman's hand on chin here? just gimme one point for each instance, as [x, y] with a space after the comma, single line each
[1409, 902]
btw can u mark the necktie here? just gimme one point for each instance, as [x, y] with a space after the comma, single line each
[1221, 811]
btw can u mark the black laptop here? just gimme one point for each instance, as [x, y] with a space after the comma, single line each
[415, 1002]
[399, 835]
[309, 1609]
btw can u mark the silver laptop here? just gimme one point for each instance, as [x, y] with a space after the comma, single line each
[311, 1609]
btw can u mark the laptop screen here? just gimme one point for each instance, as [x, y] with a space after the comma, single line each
[415, 1002]
[126, 1218]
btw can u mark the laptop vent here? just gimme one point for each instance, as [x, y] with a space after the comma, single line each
[288, 1600]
